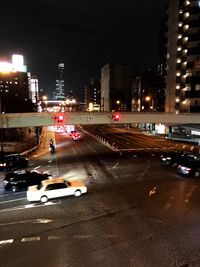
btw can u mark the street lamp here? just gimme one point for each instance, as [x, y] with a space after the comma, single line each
[118, 102]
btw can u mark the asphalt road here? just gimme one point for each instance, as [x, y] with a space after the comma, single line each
[136, 212]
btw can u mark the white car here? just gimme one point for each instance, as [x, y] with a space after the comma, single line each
[55, 188]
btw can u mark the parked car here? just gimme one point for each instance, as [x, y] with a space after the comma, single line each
[55, 188]
[176, 157]
[190, 168]
[13, 161]
[18, 180]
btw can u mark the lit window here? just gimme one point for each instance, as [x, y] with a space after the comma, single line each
[185, 39]
[185, 51]
[180, 24]
[180, 11]
[179, 48]
[16, 82]
[177, 86]
[186, 27]
[187, 3]
[177, 100]
[197, 87]
[178, 60]
[178, 74]
[179, 36]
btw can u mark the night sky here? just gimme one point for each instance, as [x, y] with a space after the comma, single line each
[84, 34]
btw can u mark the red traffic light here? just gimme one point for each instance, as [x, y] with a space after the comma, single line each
[59, 118]
[116, 117]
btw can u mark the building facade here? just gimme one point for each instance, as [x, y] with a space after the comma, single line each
[92, 95]
[116, 87]
[14, 86]
[148, 92]
[59, 93]
[183, 56]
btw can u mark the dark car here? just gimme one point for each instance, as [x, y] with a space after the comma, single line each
[13, 161]
[177, 157]
[18, 180]
[190, 168]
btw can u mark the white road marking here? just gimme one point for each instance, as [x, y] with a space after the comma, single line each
[42, 220]
[4, 242]
[29, 206]
[13, 200]
[37, 167]
[53, 237]
[115, 165]
[28, 239]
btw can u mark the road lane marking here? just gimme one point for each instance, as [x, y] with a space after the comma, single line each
[29, 206]
[29, 239]
[4, 242]
[53, 237]
[115, 165]
[13, 200]
[41, 220]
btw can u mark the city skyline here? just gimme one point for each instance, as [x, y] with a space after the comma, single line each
[85, 37]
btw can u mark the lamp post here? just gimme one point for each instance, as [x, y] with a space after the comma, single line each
[118, 104]
[1, 124]
[147, 99]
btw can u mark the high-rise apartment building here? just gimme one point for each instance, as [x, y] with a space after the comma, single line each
[183, 56]
[59, 93]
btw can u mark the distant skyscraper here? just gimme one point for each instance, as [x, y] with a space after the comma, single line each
[183, 56]
[59, 93]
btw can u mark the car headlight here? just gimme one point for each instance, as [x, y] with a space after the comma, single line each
[2, 164]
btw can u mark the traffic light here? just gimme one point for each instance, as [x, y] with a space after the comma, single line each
[60, 118]
[116, 117]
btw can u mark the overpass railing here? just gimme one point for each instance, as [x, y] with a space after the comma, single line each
[16, 120]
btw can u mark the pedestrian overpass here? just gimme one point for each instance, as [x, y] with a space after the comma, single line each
[18, 120]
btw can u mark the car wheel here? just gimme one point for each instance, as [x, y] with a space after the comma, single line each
[77, 193]
[196, 174]
[14, 188]
[44, 199]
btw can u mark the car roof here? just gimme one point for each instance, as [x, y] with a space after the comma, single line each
[53, 181]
